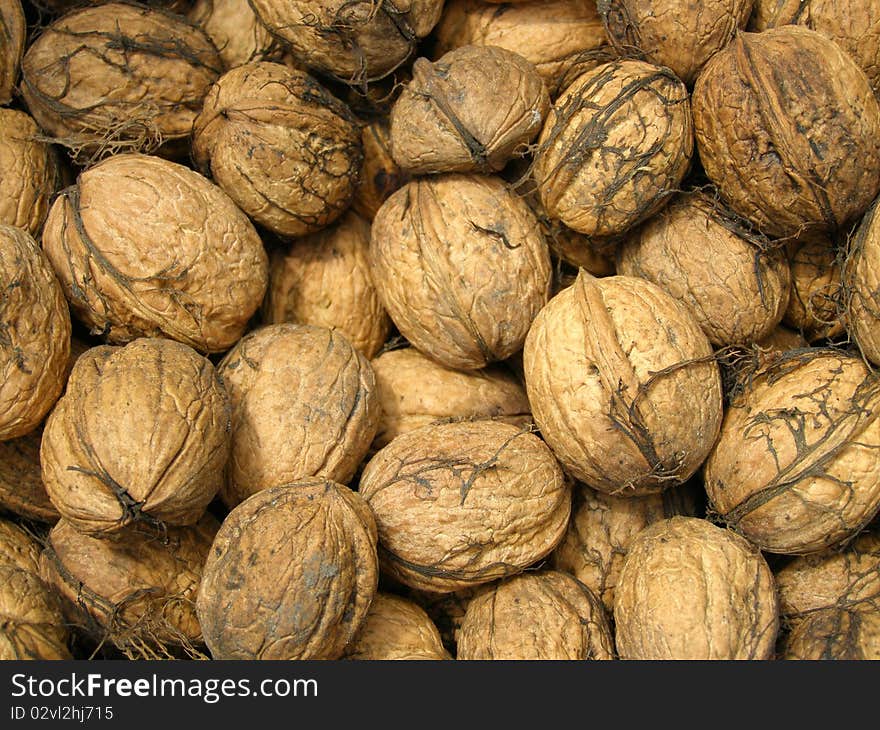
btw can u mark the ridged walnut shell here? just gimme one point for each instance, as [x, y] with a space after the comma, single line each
[847, 634]
[283, 147]
[695, 252]
[447, 610]
[291, 574]
[471, 110]
[21, 485]
[616, 145]
[145, 247]
[461, 504]
[536, 616]
[12, 40]
[380, 175]
[141, 434]
[797, 466]
[33, 625]
[18, 549]
[691, 590]
[623, 385]
[304, 404]
[324, 279]
[788, 129]
[415, 391]
[861, 285]
[118, 76]
[236, 32]
[816, 293]
[34, 334]
[461, 267]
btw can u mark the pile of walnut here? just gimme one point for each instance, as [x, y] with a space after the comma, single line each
[440, 330]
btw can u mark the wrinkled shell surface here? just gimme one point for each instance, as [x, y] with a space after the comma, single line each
[142, 433]
[816, 293]
[471, 110]
[461, 267]
[380, 175]
[536, 616]
[234, 29]
[788, 129]
[623, 385]
[615, 146]
[797, 466]
[461, 504]
[691, 590]
[33, 626]
[324, 280]
[145, 247]
[12, 39]
[447, 610]
[291, 574]
[285, 149]
[304, 404]
[836, 633]
[18, 549]
[34, 334]
[861, 277]
[21, 486]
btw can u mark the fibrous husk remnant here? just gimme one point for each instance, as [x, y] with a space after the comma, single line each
[797, 466]
[847, 634]
[18, 549]
[816, 293]
[239, 36]
[34, 334]
[118, 77]
[12, 39]
[21, 485]
[291, 574]
[282, 146]
[33, 625]
[788, 129]
[145, 247]
[471, 110]
[461, 504]
[536, 616]
[691, 590]
[461, 266]
[304, 404]
[861, 285]
[616, 145]
[623, 385]
[141, 434]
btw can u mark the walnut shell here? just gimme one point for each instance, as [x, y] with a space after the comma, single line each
[396, 629]
[12, 40]
[285, 150]
[447, 610]
[234, 29]
[461, 266]
[324, 279]
[695, 252]
[616, 145]
[118, 76]
[797, 466]
[380, 175]
[304, 404]
[623, 385]
[461, 504]
[33, 626]
[816, 294]
[472, 110]
[691, 590]
[788, 129]
[415, 391]
[861, 285]
[147, 247]
[21, 485]
[291, 575]
[577, 250]
[142, 433]
[847, 634]
[18, 549]
[34, 334]
[546, 615]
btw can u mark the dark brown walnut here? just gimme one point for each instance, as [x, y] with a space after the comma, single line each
[304, 404]
[536, 616]
[30, 172]
[461, 267]
[32, 625]
[816, 293]
[691, 590]
[12, 39]
[291, 574]
[34, 334]
[623, 385]
[354, 40]
[141, 434]
[861, 286]
[138, 590]
[788, 129]
[396, 629]
[602, 528]
[283, 147]
[847, 634]
[21, 486]
[380, 175]
[145, 247]
[677, 34]
[546, 32]
[616, 145]
[118, 76]
[461, 504]
[797, 466]
[736, 285]
[239, 36]
[18, 549]
[853, 24]
[324, 279]
[471, 110]
[415, 391]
